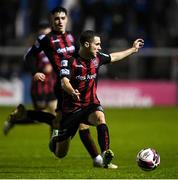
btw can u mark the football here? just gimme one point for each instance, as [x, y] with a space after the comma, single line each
[148, 159]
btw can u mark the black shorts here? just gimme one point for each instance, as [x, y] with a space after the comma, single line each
[59, 104]
[71, 121]
[58, 93]
[42, 99]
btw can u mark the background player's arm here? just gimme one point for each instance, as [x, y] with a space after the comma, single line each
[29, 60]
[66, 85]
[45, 45]
[122, 54]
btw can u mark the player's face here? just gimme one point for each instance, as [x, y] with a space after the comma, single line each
[95, 46]
[59, 22]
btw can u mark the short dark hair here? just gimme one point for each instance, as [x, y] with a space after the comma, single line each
[58, 9]
[87, 36]
[43, 25]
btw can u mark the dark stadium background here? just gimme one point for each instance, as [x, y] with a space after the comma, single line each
[118, 21]
[24, 152]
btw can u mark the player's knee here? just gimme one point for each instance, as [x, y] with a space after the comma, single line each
[83, 126]
[58, 151]
[60, 154]
[62, 148]
[40, 106]
[101, 121]
[97, 118]
[100, 117]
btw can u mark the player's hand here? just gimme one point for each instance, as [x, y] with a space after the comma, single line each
[139, 43]
[76, 95]
[39, 77]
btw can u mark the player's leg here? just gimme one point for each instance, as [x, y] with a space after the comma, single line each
[40, 113]
[22, 116]
[15, 115]
[58, 111]
[62, 148]
[60, 139]
[52, 106]
[89, 144]
[42, 104]
[97, 118]
[59, 146]
[39, 105]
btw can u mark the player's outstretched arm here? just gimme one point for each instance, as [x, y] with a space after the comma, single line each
[116, 56]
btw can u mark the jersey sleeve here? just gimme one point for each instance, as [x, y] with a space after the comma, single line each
[44, 43]
[65, 68]
[104, 58]
[30, 59]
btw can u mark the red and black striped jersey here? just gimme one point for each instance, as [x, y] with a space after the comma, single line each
[56, 47]
[42, 88]
[45, 87]
[39, 62]
[83, 75]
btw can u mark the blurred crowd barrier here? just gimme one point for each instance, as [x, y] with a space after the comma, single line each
[148, 78]
[137, 93]
[11, 91]
[148, 64]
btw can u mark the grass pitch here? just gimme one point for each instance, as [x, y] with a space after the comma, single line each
[24, 152]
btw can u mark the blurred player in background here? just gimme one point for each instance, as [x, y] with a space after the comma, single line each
[79, 77]
[44, 78]
[42, 86]
[57, 45]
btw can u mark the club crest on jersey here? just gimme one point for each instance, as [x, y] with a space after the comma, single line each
[64, 63]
